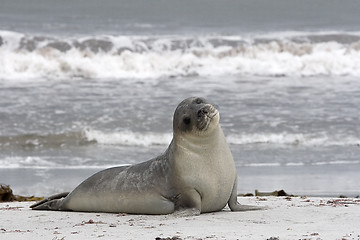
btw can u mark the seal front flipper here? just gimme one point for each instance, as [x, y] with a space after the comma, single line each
[237, 207]
[188, 203]
[51, 203]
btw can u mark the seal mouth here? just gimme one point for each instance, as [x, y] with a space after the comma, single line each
[213, 114]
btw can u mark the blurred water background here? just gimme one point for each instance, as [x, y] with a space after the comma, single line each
[87, 84]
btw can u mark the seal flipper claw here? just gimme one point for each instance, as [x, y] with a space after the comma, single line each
[188, 212]
[50, 203]
[241, 208]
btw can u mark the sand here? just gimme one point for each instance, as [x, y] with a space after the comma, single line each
[286, 218]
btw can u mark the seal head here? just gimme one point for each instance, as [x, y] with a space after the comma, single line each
[196, 116]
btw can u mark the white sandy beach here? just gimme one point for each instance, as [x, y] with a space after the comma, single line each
[286, 218]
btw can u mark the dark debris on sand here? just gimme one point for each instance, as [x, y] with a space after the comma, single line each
[277, 193]
[6, 195]
[168, 238]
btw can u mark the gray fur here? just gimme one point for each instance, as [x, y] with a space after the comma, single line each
[196, 174]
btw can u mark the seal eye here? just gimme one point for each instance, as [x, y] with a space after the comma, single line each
[186, 120]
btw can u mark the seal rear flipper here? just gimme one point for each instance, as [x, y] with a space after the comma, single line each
[237, 207]
[51, 203]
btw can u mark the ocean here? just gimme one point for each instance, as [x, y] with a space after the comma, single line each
[86, 85]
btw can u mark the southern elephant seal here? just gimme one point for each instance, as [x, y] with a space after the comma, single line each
[196, 173]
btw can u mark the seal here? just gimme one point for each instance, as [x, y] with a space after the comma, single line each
[196, 174]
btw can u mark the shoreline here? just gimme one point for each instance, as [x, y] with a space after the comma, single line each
[286, 218]
[7, 195]
[315, 181]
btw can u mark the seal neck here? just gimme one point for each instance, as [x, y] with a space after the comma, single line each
[199, 142]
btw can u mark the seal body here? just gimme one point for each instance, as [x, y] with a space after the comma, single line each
[197, 173]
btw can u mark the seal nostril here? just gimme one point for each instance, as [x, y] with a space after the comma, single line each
[202, 112]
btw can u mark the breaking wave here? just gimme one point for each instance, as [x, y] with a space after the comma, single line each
[88, 136]
[129, 138]
[48, 162]
[24, 56]
[295, 139]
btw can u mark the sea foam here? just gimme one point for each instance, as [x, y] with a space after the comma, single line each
[129, 138]
[24, 56]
